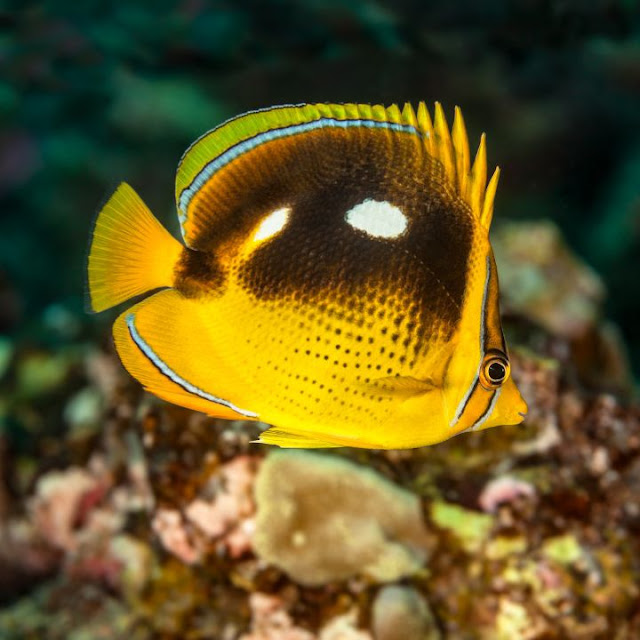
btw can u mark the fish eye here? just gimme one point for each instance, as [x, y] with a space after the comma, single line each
[495, 371]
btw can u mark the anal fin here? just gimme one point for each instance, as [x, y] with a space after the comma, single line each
[165, 344]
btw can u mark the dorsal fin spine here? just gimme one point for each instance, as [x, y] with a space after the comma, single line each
[325, 110]
[394, 113]
[409, 115]
[461, 150]
[478, 178]
[487, 208]
[424, 122]
[444, 147]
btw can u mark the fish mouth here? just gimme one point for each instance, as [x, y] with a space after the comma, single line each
[522, 414]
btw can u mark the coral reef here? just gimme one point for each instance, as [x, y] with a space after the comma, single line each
[225, 518]
[270, 620]
[543, 281]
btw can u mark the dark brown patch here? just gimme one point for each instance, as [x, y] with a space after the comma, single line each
[198, 273]
[318, 257]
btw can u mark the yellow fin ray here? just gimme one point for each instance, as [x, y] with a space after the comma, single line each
[409, 115]
[478, 179]
[426, 127]
[487, 208]
[167, 342]
[461, 150]
[130, 253]
[443, 145]
[452, 151]
[288, 440]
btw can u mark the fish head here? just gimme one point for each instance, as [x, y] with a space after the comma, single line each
[478, 390]
[509, 407]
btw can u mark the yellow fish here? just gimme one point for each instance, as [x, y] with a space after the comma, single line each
[336, 279]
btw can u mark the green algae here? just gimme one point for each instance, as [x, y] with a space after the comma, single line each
[470, 528]
[564, 549]
[502, 546]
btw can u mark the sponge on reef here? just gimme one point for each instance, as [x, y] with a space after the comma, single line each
[322, 518]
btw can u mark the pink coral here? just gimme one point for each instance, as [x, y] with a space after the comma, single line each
[230, 512]
[62, 500]
[95, 565]
[240, 539]
[20, 545]
[504, 489]
[121, 562]
[270, 620]
[169, 527]
[74, 518]
[548, 576]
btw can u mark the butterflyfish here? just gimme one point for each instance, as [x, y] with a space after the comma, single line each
[335, 279]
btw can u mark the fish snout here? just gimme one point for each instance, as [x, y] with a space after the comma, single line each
[521, 410]
[515, 408]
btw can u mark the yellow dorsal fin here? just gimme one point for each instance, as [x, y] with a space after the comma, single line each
[222, 145]
[443, 144]
[409, 115]
[461, 150]
[424, 122]
[452, 151]
[478, 179]
[393, 113]
[487, 208]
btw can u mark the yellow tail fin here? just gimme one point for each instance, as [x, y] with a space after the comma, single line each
[130, 253]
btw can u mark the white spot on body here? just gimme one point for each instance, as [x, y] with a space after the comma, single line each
[272, 224]
[376, 218]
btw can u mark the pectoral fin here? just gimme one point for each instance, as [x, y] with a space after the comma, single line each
[400, 386]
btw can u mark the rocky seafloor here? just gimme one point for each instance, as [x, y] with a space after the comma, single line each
[124, 517]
